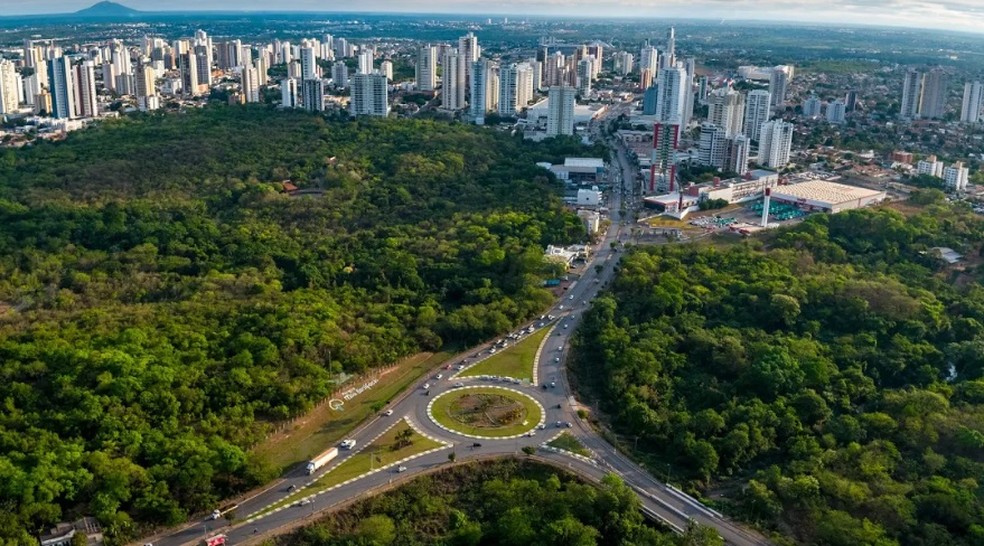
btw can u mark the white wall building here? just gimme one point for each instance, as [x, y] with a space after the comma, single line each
[933, 101]
[453, 81]
[811, 107]
[955, 177]
[911, 95]
[973, 98]
[251, 84]
[426, 71]
[775, 144]
[779, 85]
[836, 111]
[9, 87]
[584, 75]
[560, 113]
[671, 95]
[930, 166]
[726, 110]
[85, 90]
[757, 112]
[365, 61]
[370, 95]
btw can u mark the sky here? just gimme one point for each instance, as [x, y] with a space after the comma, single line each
[940, 14]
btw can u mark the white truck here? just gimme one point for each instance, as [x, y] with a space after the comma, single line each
[321, 460]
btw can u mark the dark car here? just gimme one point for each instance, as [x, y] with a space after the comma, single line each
[476, 444]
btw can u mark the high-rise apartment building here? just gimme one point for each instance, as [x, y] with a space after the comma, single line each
[726, 110]
[479, 91]
[775, 144]
[251, 84]
[289, 97]
[712, 146]
[662, 170]
[911, 95]
[339, 75]
[188, 64]
[370, 95]
[309, 63]
[736, 160]
[386, 68]
[649, 60]
[203, 57]
[60, 82]
[9, 87]
[851, 100]
[933, 101]
[426, 71]
[811, 107]
[515, 88]
[365, 61]
[623, 63]
[584, 75]
[973, 99]
[84, 82]
[146, 89]
[671, 95]
[313, 95]
[453, 81]
[779, 86]
[469, 49]
[757, 111]
[669, 55]
[836, 111]
[560, 111]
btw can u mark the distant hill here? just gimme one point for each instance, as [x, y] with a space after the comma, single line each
[107, 9]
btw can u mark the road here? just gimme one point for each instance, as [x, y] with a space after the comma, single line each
[659, 501]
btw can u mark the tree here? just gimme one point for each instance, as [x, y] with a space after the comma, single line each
[376, 530]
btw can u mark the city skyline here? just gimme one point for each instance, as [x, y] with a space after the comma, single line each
[961, 15]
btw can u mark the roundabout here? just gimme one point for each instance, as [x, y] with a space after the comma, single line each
[486, 412]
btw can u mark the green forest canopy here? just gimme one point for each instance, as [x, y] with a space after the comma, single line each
[507, 502]
[831, 386]
[162, 300]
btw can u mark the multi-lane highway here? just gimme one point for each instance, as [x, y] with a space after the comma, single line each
[659, 501]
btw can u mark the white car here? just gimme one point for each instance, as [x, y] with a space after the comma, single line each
[427, 386]
[439, 376]
[388, 412]
[401, 469]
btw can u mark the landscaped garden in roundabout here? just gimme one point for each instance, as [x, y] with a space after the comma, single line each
[490, 412]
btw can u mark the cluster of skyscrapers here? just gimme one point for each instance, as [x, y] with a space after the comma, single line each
[735, 124]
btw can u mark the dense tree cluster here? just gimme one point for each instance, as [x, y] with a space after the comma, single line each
[163, 300]
[832, 385]
[504, 502]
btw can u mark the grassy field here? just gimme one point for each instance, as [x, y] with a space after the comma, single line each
[515, 361]
[441, 411]
[324, 427]
[385, 450]
[568, 442]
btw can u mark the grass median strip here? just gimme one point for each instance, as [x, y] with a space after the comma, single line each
[515, 361]
[324, 427]
[492, 412]
[569, 443]
[396, 444]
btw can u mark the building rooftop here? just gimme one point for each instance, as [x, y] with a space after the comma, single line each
[825, 191]
[584, 162]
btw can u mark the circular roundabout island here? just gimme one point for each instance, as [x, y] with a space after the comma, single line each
[486, 412]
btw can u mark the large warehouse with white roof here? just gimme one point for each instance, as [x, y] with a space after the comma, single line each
[822, 195]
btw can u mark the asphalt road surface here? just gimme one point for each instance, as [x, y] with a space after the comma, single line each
[659, 501]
